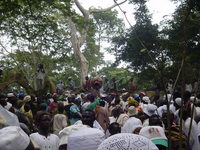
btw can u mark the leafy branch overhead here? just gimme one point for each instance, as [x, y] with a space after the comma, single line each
[52, 31]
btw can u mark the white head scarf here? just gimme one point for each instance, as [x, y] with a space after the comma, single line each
[150, 109]
[130, 125]
[178, 101]
[127, 141]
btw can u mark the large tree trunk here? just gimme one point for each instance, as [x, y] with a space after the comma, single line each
[84, 69]
[76, 45]
[78, 38]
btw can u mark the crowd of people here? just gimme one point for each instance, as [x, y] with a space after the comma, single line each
[107, 121]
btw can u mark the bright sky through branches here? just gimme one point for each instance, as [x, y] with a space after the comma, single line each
[159, 9]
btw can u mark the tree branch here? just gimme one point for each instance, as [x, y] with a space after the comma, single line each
[106, 9]
[82, 9]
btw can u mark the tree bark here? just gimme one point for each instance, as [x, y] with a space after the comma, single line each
[77, 40]
[76, 45]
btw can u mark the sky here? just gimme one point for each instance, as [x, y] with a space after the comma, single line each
[159, 9]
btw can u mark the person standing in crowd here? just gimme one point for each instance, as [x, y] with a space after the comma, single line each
[114, 128]
[113, 85]
[106, 85]
[26, 108]
[93, 101]
[43, 137]
[54, 104]
[75, 113]
[40, 75]
[14, 138]
[86, 102]
[157, 135]
[85, 139]
[89, 119]
[71, 84]
[102, 115]
[175, 135]
[88, 84]
[1, 73]
[67, 107]
[188, 87]
[120, 115]
[59, 120]
[196, 88]
[60, 87]
[132, 122]
[170, 86]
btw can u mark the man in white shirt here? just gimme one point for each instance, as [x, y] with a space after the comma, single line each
[88, 118]
[43, 138]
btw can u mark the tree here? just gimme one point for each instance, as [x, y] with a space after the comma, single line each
[47, 28]
[35, 34]
[184, 40]
[142, 47]
[128, 47]
[79, 35]
[121, 75]
[107, 26]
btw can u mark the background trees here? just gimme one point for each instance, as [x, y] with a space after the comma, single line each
[52, 33]
[46, 33]
[151, 50]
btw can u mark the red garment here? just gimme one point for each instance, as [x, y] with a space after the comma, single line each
[52, 107]
[88, 85]
[138, 108]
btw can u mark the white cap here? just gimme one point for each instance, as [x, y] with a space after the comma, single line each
[132, 111]
[7, 118]
[178, 101]
[150, 109]
[192, 98]
[156, 134]
[63, 134]
[85, 139]
[146, 99]
[161, 110]
[13, 138]
[127, 141]
[10, 95]
[103, 94]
